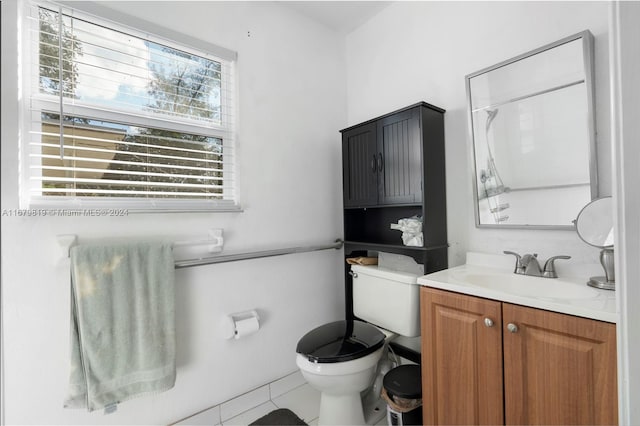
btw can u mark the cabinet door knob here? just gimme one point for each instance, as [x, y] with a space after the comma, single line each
[512, 328]
[380, 162]
[374, 167]
[353, 274]
[488, 322]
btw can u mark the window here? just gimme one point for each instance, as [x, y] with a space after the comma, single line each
[121, 118]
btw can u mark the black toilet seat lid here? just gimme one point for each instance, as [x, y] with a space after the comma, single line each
[340, 341]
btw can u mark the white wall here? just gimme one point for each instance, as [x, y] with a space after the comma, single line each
[293, 92]
[414, 51]
[292, 103]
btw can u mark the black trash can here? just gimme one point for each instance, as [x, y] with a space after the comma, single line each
[402, 389]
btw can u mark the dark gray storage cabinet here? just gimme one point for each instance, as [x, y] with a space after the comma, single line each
[394, 168]
[382, 161]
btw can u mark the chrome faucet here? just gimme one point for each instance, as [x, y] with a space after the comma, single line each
[528, 265]
[531, 265]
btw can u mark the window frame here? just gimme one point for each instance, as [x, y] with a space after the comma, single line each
[34, 102]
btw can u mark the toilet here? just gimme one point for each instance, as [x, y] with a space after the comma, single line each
[340, 358]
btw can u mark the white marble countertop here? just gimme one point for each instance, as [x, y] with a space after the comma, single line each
[488, 276]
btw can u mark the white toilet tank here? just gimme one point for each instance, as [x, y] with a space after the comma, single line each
[386, 298]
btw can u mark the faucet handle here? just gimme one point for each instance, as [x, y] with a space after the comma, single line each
[513, 253]
[519, 269]
[549, 266]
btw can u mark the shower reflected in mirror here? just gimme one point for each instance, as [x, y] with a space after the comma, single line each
[492, 183]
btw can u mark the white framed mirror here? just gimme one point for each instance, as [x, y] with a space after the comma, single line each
[532, 126]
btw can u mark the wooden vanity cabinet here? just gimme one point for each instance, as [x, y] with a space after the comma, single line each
[489, 362]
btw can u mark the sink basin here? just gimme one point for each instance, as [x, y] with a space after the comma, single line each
[522, 285]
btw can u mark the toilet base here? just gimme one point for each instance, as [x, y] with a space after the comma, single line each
[375, 409]
[341, 410]
[369, 402]
[369, 410]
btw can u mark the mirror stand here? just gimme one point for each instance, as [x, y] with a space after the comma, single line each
[608, 282]
[594, 226]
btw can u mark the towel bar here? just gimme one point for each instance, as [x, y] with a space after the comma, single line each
[215, 242]
[255, 255]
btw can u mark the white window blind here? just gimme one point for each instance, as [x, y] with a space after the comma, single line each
[121, 118]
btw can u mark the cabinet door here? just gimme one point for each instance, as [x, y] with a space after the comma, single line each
[399, 158]
[461, 359]
[558, 369]
[359, 165]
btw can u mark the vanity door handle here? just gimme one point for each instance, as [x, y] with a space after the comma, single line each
[512, 328]
[488, 322]
[374, 167]
[380, 162]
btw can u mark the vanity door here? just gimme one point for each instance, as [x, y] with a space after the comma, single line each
[558, 369]
[461, 359]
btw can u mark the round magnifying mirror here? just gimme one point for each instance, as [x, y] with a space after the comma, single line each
[595, 227]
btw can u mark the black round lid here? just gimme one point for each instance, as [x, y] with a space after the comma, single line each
[340, 341]
[404, 381]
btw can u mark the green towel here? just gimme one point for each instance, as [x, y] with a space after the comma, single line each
[122, 323]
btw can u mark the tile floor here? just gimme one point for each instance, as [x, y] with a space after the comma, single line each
[290, 392]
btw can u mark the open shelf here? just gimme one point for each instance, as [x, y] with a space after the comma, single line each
[374, 224]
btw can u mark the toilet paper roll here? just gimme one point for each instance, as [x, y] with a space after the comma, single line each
[246, 327]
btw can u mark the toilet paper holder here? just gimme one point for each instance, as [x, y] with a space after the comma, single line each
[240, 324]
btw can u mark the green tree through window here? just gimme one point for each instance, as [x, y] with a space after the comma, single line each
[49, 55]
[147, 162]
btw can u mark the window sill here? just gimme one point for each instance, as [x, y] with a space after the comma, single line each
[124, 207]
